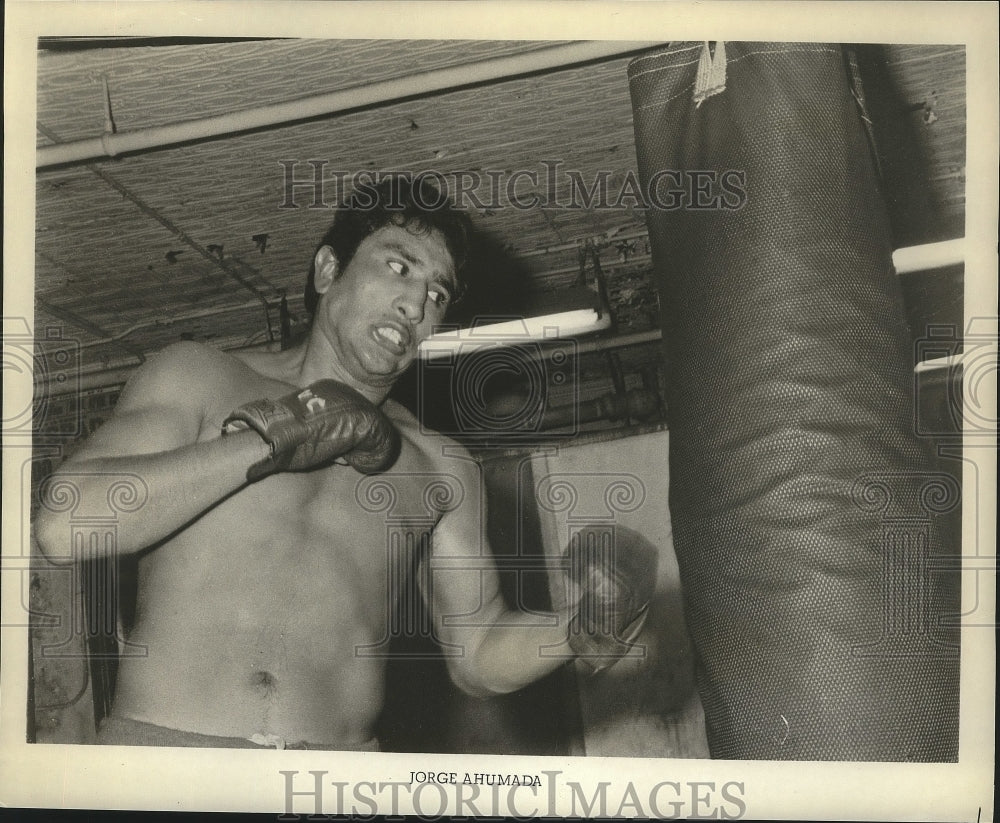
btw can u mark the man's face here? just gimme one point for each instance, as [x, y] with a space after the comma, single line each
[377, 310]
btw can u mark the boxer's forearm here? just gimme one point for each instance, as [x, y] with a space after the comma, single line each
[512, 653]
[500, 649]
[169, 488]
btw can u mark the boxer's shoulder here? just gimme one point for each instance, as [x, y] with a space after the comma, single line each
[192, 365]
[405, 421]
[192, 382]
[174, 377]
[438, 448]
[428, 457]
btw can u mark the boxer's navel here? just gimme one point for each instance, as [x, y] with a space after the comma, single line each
[264, 683]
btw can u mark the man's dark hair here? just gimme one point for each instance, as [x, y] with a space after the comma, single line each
[415, 204]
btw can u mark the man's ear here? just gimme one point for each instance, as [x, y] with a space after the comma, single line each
[327, 267]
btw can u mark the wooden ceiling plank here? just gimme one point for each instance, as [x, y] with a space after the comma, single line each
[84, 324]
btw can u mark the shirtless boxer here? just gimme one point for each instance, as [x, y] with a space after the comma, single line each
[261, 571]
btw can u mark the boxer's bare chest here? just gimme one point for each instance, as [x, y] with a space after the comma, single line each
[312, 537]
[282, 582]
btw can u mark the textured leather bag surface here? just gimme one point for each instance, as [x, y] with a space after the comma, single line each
[805, 509]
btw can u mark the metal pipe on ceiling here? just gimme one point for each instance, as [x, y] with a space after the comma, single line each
[385, 91]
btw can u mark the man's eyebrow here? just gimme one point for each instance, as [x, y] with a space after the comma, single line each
[450, 282]
[403, 252]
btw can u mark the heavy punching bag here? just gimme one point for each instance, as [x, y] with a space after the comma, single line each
[805, 509]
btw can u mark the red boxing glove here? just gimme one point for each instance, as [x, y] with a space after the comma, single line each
[315, 425]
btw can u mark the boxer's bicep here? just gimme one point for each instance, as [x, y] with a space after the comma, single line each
[137, 432]
[461, 585]
[462, 591]
[159, 409]
[501, 649]
[152, 445]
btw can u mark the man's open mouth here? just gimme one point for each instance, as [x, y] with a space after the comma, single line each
[392, 338]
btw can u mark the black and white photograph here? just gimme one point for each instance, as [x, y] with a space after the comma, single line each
[528, 410]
